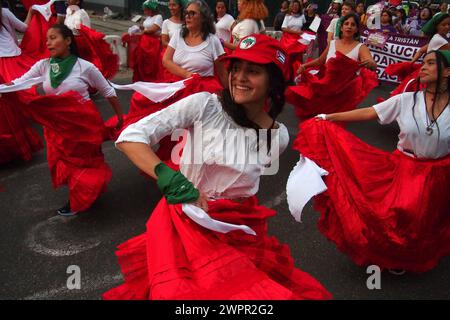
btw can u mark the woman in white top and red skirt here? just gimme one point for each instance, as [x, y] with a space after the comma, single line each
[17, 138]
[390, 209]
[345, 81]
[192, 53]
[408, 72]
[223, 251]
[73, 127]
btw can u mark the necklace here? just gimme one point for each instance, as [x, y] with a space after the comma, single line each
[431, 122]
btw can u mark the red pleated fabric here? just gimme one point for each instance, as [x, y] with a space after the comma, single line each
[17, 137]
[340, 89]
[178, 259]
[145, 60]
[93, 48]
[34, 39]
[380, 208]
[405, 72]
[74, 133]
[294, 50]
[28, 3]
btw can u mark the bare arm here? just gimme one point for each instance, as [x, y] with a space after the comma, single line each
[141, 155]
[114, 102]
[362, 114]
[29, 16]
[366, 59]
[172, 67]
[316, 62]
[165, 40]
[152, 30]
[419, 53]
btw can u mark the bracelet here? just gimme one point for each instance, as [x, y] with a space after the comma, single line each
[322, 116]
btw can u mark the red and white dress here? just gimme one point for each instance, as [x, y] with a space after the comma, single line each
[391, 209]
[177, 258]
[342, 87]
[73, 129]
[17, 138]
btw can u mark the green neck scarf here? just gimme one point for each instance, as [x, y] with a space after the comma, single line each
[60, 69]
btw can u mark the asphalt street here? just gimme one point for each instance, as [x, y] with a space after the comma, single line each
[37, 246]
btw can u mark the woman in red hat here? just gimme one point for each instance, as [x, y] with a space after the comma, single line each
[347, 79]
[73, 127]
[389, 208]
[207, 237]
[17, 138]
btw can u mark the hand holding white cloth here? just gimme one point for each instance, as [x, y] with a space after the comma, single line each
[304, 182]
[23, 85]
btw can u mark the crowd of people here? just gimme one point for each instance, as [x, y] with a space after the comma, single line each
[207, 237]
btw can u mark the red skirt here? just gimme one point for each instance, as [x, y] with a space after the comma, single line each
[35, 38]
[380, 208]
[17, 137]
[406, 72]
[340, 89]
[178, 259]
[146, 58]
[93, 48]
[74, 133]
[294, 50]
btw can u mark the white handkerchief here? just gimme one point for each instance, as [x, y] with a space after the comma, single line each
[315, 24]
[44, 9]
[155, 92]
[27, 84]
[200, 217]
[305, 181]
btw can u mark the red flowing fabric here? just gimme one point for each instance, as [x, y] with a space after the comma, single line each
[340, 89]
[28, 3]
[17, 137]
[131, 42]
[380, 208]
[93, 48]
[74, 132]
[405, 72]
[145, 56]
[34, 39]
[294, 50]
[178, 259]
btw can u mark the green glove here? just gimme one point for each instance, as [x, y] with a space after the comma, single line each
[175, 186]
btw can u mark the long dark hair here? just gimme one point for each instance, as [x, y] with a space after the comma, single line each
[277, 87]
[67, 33]
[207, 21]
[226, 8]
[441, 63]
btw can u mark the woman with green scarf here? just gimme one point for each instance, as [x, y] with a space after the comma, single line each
[74, 129]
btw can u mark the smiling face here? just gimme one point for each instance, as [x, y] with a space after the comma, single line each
[249, 83]
[174, 8]
[443, 27]
[193, 17]
[57, 44]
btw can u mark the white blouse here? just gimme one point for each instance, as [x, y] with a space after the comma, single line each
[332, 28]
[211, 157]
[170, 28]
[436, 42]
[150, 21]
[353, 54]
[8, 38]
[197, 59]
[413, 138]
[294, 22]
[223, 27]
[245, 28]
[76, 17]
[83, 75]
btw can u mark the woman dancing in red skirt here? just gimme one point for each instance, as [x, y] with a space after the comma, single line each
[225, 253]
[389, 209]
[74, 129]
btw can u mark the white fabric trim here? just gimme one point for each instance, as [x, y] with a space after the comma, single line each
[304, 182]
[44, 9]
[23, 85]
[155, 92]
[200, 217]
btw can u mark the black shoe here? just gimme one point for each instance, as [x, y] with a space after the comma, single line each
[66, 211]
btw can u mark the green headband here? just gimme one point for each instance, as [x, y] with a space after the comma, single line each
[150, 4]
[182, 2]
[446, 54]
[430, 27]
